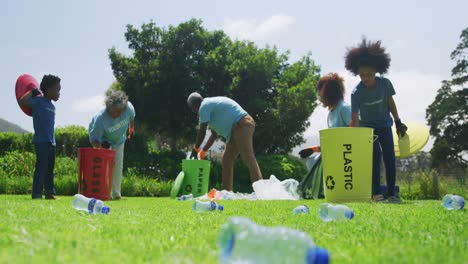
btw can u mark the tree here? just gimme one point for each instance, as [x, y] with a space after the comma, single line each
[163, 70]
[168, 64]
[460, 71]
[448, 114]
[279, 96]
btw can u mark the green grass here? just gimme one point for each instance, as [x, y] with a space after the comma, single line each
[160, 230]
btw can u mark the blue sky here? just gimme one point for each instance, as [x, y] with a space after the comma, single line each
[71, 39]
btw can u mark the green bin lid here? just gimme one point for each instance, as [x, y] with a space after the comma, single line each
[177, 183]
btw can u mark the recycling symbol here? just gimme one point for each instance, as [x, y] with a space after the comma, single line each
[330, 183]
[188, 188]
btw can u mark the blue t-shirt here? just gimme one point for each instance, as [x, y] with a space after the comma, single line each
[340, 116]
[221, 113]
[372, 104]
[104, 128]
[43, 113]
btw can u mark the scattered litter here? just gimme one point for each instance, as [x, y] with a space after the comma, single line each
[90, 205]
[273, 189]
[301, 209]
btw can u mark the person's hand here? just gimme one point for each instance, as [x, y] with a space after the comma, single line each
[35, 92]
[194, 154]
[201, 154]
[105, 145]
[400, 128]
[308, 151]
[131, 130]
[305, 153]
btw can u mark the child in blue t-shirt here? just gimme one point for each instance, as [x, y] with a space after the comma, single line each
[331, 91]
[371, 105]
[43, 113]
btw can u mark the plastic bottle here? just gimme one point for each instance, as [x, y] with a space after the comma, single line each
[453, 202]
[90, 205]
[329, 212]
[199, 206]
[185, 197]
[301, 209]
[242, 241]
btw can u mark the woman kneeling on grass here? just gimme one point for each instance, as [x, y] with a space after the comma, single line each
[108, 129]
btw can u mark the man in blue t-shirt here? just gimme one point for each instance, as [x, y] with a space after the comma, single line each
[43, 114]
[227, 119]
[108, 128]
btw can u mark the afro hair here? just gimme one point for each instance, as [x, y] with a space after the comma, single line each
[48, 81]
[370, 54]
[333, 89]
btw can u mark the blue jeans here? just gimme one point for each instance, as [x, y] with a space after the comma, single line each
[383, 145]
[44, 171]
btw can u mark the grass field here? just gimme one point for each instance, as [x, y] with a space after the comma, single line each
[160, 230]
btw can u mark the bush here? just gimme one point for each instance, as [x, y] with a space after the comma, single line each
[431, 187]
[18, 185]
[17, 169]
[66, 166]
[133, 185]
[17, 164]
[22, 164]
[68, 185]
[423, 185]
[163, 164]
[69, 139]
[10, 141]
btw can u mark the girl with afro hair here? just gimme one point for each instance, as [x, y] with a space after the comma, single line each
[371, 105]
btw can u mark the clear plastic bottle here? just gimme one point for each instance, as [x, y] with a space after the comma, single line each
[329, 212]
[242, 241]
[185, 197]
[90, 205]
[453, 202]
[301, 209]
[199, 206]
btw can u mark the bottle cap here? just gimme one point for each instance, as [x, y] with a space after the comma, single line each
[318, 256]
[220, 207]
[349, 214]
[105, 210]
[227, 250]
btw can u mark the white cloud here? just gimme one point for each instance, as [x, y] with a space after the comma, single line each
[250, 28]
[90, 104]
[415, 91]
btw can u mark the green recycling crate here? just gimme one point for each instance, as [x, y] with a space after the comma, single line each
[193, 178]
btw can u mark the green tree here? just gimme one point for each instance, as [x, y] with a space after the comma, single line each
[168, 64]
[448, 114]
[280, 96]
